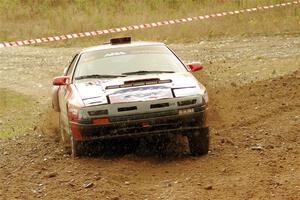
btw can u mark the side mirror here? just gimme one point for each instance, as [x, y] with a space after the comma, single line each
[195, 67]
[61, 80]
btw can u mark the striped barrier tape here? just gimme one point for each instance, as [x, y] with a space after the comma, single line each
[143, 26]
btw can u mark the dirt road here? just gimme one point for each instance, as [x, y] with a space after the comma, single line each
[254, 88]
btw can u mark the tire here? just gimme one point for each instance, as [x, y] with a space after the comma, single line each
[64, 136]
[77, 147]
[199, 142]
[71, 146]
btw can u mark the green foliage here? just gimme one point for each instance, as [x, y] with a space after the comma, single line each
[23, 19]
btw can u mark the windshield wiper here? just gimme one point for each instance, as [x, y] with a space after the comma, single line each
[98, 76]
[147, 72]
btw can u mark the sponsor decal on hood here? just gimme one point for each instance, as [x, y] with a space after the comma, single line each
[144, 93]
[93, 91]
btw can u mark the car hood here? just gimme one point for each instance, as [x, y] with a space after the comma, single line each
[134, 88]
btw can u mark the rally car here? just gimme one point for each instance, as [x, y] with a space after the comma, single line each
[130, 89]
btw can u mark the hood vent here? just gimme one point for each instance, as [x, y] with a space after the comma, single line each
[140, 82]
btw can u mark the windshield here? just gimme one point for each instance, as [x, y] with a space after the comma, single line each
[128, 61]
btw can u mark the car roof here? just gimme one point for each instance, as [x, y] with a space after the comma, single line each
[110, 46]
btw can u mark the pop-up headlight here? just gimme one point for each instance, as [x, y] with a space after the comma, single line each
[183, 92]
[191, 91]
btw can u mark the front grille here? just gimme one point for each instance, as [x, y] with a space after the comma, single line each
[151, 115]
[159, 105]
[156, 125]
[143, 116]
[122, 109]
[98, 112]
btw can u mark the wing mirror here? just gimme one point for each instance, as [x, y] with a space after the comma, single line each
[61, 80]
[195, 67]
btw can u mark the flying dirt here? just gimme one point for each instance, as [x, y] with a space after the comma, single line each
[254, 114]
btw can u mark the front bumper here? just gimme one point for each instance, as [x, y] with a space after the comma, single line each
[145, 124]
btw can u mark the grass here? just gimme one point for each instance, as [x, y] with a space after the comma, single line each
[20, 107]
[24, 19]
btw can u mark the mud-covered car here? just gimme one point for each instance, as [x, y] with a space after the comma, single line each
[130, 89]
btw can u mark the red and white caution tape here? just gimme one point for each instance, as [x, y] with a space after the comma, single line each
[143, 26]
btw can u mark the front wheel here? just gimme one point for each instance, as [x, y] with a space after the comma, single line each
[73, 147]
[77, 147]
[65, 136]
[199, 142]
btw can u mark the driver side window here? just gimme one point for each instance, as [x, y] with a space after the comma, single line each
[71, 66]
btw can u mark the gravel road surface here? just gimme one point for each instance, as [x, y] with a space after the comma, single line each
[254, 88]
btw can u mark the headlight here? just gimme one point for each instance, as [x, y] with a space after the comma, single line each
[76, 113]
[83, 115]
